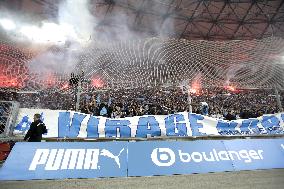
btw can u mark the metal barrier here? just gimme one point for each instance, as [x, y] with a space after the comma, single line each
[170, 138]
[8, 114]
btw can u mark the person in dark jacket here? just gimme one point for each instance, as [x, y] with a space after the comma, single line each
[230, 116]
[36, 130]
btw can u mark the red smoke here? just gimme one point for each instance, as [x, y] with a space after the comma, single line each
[97, 82]
[9, 79]
[50, 81]
[64, 86]
[196, 85]
[13, 71]
[231, 88]
[9, 82]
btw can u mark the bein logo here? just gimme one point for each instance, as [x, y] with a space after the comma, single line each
[165, 157]
[61, 159]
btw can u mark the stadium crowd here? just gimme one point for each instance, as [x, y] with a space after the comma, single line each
[221, 103]
[121, 103]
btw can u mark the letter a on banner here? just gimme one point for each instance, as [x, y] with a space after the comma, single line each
[148, 125]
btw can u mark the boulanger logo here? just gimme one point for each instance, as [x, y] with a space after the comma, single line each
[60, 159]
[165, 157]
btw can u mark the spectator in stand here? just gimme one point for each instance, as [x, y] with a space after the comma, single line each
[117, 113]
[145, 101]
[230, 115]
[103, 110]
[204, 108]
[244, 114]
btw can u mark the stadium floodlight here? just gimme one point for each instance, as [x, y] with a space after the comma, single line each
[7, 24]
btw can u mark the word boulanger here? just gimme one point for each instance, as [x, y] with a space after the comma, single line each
[164, 157]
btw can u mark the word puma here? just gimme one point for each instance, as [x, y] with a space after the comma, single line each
[60, 159]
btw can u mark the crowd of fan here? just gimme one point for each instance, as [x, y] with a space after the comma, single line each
[221, 103]
[155, 101]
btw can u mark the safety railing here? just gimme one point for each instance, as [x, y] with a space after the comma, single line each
[8, 115]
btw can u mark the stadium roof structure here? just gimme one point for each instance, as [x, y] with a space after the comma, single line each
[182, 19]
[199, 19]
[217, 43]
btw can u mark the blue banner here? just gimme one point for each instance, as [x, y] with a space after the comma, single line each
[167, 158]
[65, 160]
[120, 159]
[256, 154]
[78, 125]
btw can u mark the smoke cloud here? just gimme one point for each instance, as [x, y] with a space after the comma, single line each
[76, 28]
